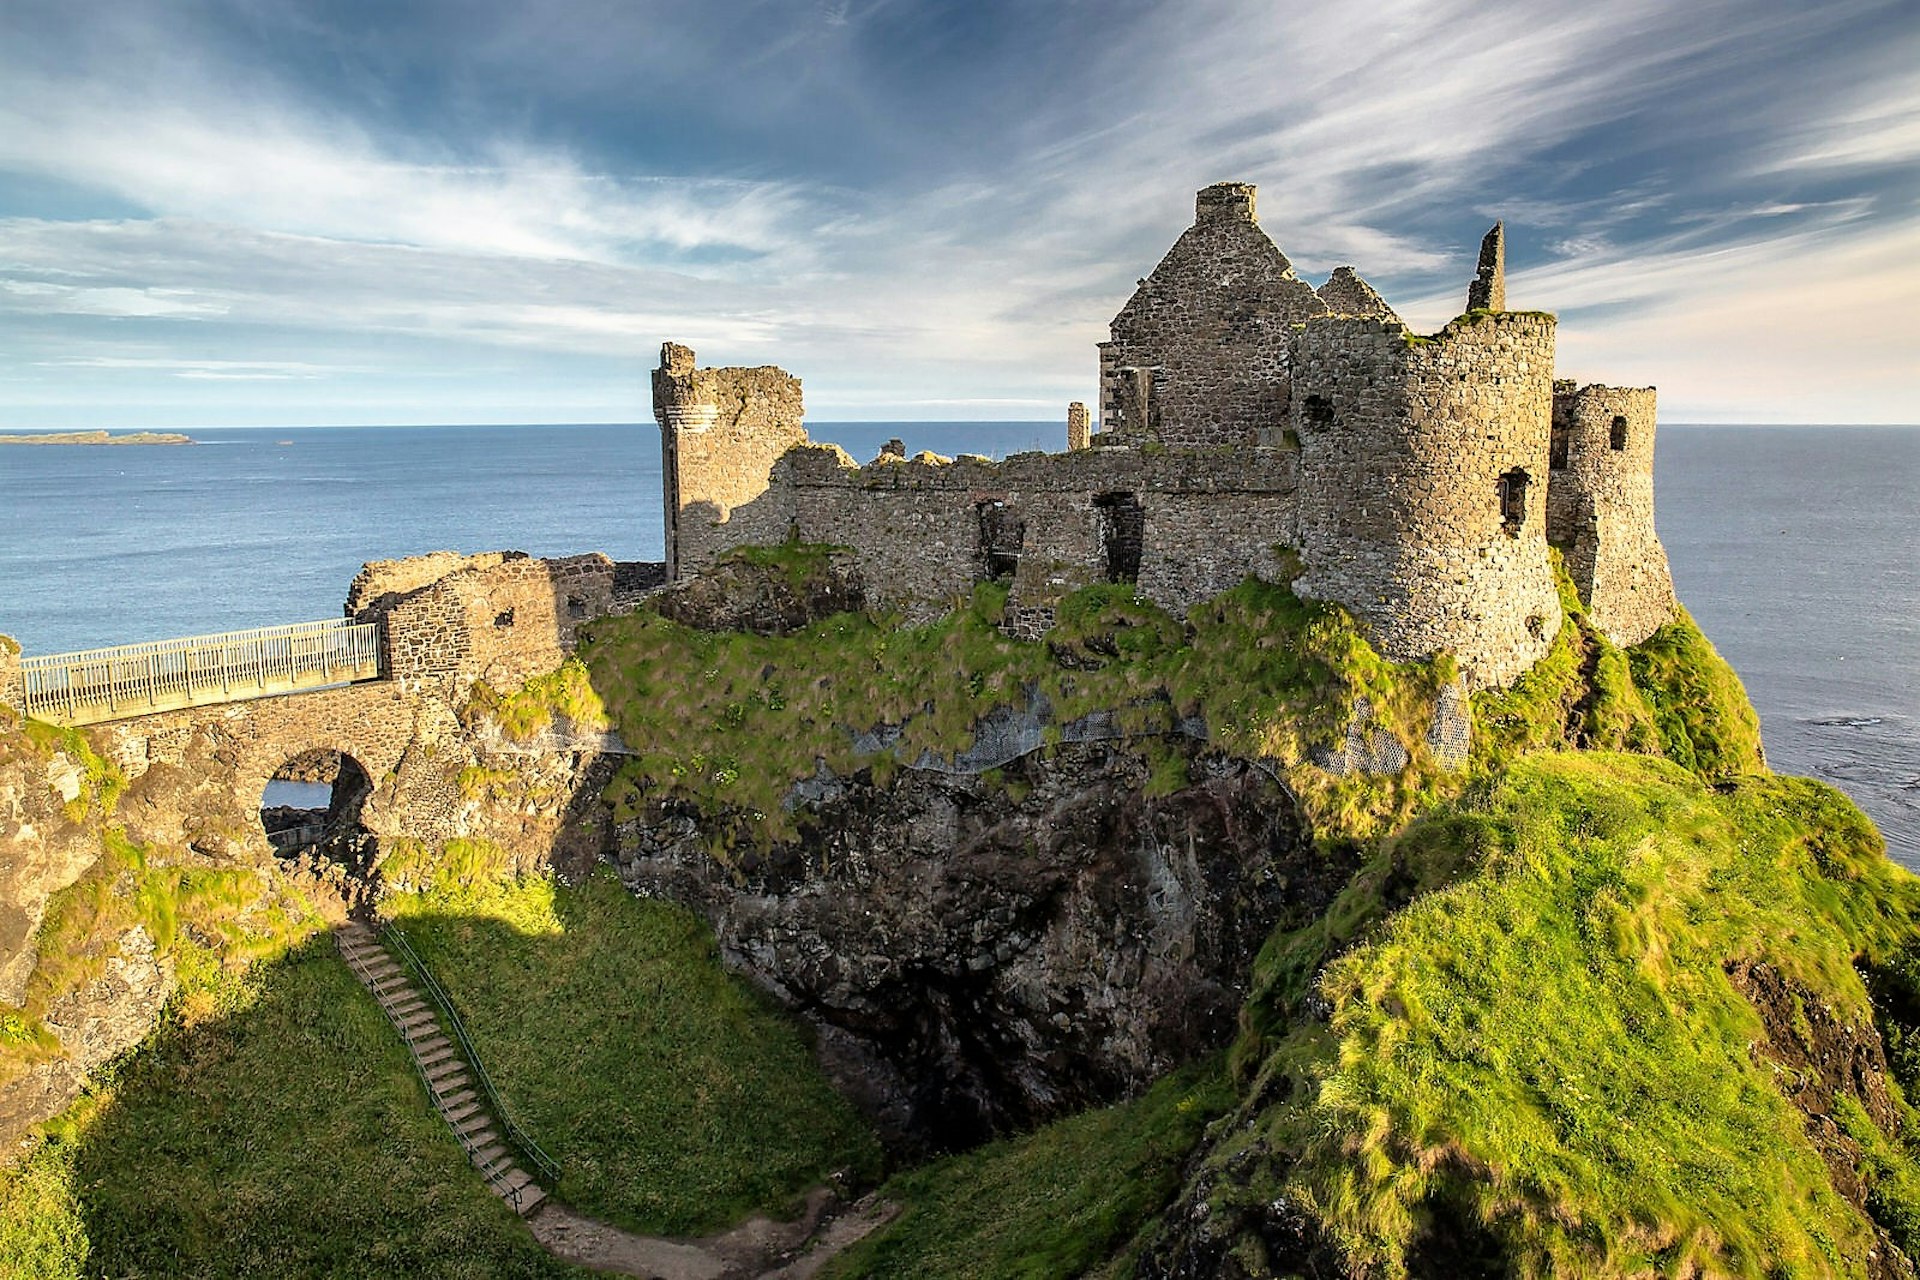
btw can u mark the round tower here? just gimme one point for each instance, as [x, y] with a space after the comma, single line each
[1423, 495]
[1600, 508]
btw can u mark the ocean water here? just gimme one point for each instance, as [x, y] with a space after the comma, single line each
[1795, 547]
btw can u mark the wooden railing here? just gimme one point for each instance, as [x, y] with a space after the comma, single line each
[163, 675]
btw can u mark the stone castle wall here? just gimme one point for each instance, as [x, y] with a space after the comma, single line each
[1242, 413]
[1423, 501]
[1184, 526]
[1198, 356]
[1600, 508]
[721, 431]
[501, 617]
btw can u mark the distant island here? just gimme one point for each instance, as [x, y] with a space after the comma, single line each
[99, 437]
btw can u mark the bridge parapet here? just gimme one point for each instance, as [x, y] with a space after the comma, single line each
[97, 685]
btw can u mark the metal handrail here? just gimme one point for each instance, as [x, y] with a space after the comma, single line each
[540, 1160]
[103, 684]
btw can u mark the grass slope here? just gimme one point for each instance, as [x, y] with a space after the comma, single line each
[674, 1098]
[1550, 1050]
[1057, 1202]
[281, 1133]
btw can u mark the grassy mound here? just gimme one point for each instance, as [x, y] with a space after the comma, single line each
[1549, 1056]
[674, 1099]
[279, 1132]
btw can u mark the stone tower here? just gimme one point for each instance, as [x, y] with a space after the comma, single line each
[721, 432]
[1423, 496]
[1600, 508]
[1198, 355]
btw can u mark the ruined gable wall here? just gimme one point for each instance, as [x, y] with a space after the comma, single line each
[1402, 450]
[1600, 508]
[1207, 333]
[721, 432]
[1206, 520]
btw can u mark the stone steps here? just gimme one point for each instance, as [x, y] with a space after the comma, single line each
[440, 1066]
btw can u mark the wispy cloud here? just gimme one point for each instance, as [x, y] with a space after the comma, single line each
[987, 206]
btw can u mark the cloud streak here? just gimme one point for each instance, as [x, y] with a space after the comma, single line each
[1002, 175]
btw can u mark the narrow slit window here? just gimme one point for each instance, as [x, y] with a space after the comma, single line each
[1617, 436]
[1512, 491]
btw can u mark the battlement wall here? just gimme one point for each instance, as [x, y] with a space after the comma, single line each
[1423, 465]
[1600, 507]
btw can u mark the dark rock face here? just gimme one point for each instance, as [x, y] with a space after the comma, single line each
[1821, 1057]
[766, 599]
[981, 953]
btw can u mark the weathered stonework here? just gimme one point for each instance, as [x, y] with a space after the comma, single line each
[1488, 292]
[1600, 507]
[1243, 415]
[1079, 426]
[1198, 356]
[500, 617]
[11, 693]
[1421, 503]
[1346, 294]
[721, 430]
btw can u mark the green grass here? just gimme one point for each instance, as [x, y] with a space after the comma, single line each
[1550, 1047]
[729, 721]
[674, 1098]
[281, 1133]
[1706, 722]
[1060, 1201]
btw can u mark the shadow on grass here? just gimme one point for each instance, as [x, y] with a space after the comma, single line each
[676, 1099]
[285, 1135]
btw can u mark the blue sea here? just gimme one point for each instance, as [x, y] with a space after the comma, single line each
[1796, 548]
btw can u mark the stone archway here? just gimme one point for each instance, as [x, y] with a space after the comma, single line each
[311, 807]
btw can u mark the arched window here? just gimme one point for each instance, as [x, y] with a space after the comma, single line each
[1618, 436]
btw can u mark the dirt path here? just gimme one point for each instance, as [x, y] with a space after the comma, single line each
[757, 1249]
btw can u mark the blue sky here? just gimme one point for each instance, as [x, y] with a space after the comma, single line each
[286, 212]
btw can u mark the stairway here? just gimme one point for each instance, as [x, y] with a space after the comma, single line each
[448, 1081]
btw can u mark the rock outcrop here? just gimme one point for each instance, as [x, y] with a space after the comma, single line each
[980, 953]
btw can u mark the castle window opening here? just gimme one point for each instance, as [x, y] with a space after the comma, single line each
[503, 619]
[1316, 413]
[1617, 437]
[1123, 526]
[1001, 537]
[576, 606]
[1557, 450]
[1512, 490]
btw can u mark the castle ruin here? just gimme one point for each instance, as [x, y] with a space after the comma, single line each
[1248, 424]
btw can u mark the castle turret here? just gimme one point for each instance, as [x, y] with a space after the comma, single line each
[1422, 504]
[721, 433]
[1198, 355]
[1600, 507]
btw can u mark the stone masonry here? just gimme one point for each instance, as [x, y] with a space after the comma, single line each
[1198, 356]
[1600, 507]
[1245, 416]
[501, 616]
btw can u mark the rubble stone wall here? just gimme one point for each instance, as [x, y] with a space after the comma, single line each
[500, 617]
[1600, 508]
[1407, 450]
